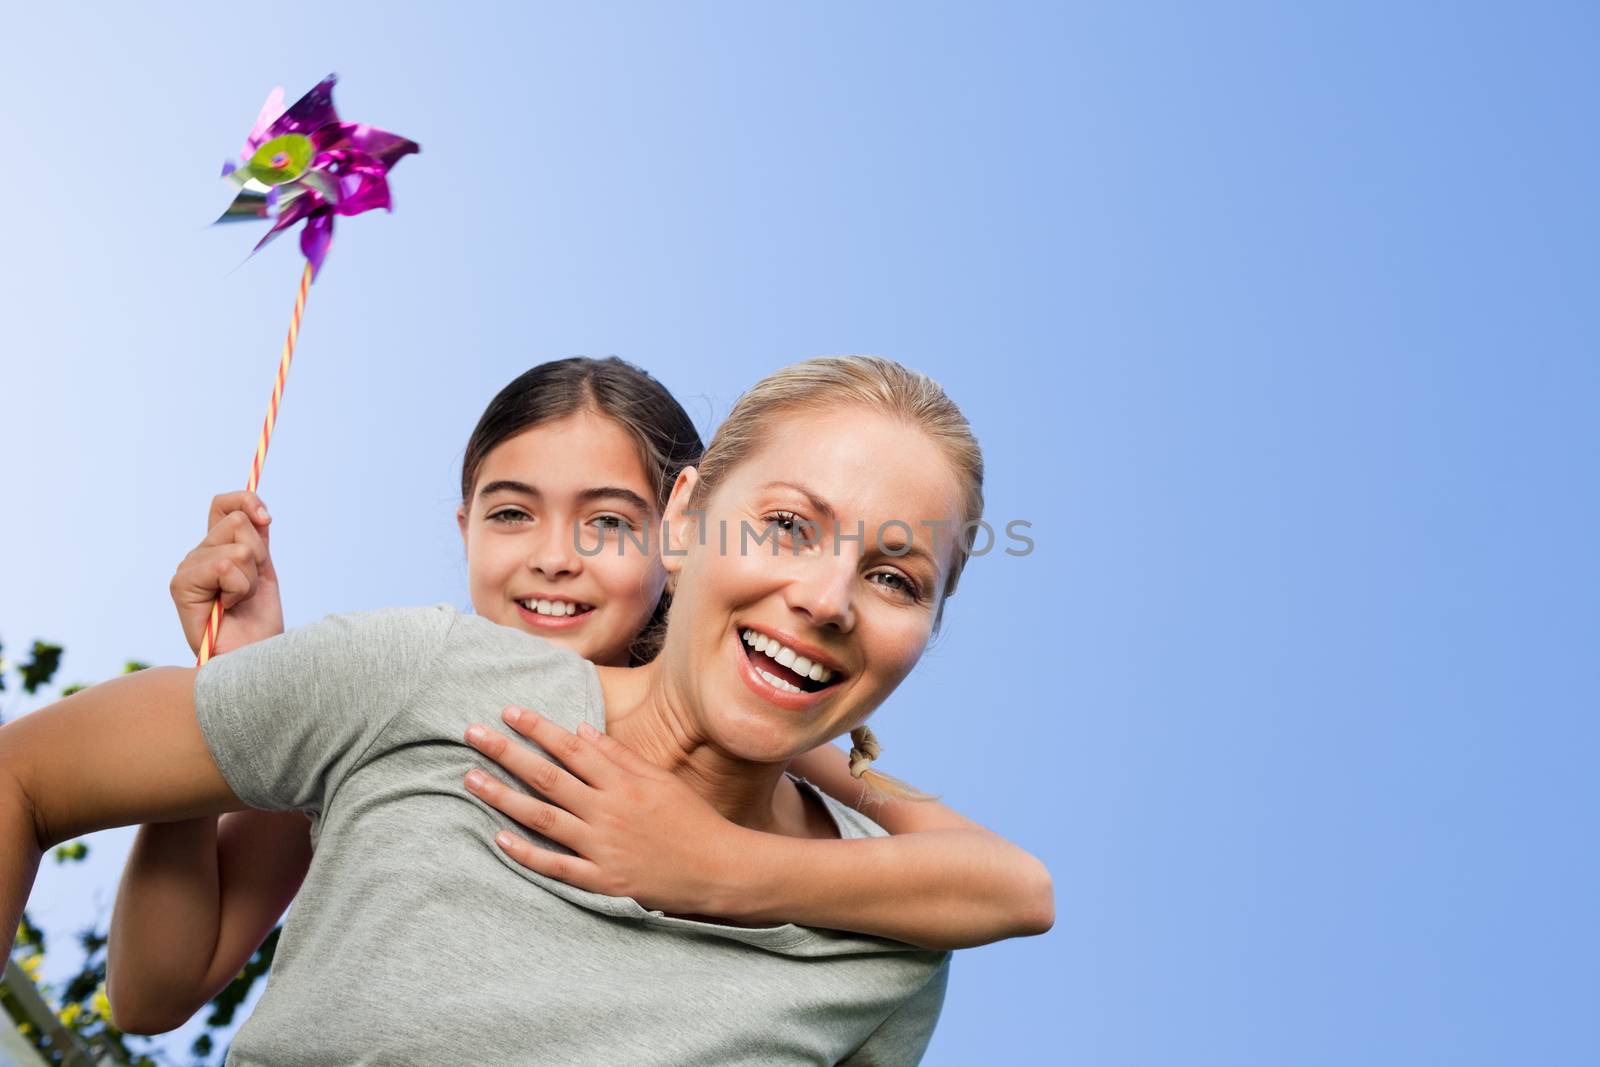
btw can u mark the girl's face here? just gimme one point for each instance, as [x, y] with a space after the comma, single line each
[554, 532]
[847, 616]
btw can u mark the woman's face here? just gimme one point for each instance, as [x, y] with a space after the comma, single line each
[553, 534]
[853, 613]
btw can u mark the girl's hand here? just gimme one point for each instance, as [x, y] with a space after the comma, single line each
[637, 830]
[233, 560]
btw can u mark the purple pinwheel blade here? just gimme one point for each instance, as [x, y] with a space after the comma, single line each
[360, 183]
[385, 147]
[363, 191]
[297, 209]
[270, 112]
[315, 238]
[311, 112]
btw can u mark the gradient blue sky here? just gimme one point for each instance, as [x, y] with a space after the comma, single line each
[1278, 323]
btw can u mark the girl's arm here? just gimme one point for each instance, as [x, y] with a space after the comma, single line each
[198, 898]
[940, 882]
[122, 752]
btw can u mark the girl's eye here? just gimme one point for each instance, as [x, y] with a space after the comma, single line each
[611, 522]
[509, 515]
[897, 583]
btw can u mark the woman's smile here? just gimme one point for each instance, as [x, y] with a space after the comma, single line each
[776, 672]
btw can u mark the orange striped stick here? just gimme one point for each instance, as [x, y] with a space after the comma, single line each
[214, 624]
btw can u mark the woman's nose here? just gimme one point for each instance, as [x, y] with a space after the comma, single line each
[823, 591]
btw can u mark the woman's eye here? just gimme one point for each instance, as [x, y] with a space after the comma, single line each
[611, 522]
[897, 583]
[509, 515]
[783, 520]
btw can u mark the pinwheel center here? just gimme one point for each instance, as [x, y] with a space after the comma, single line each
[282, 159]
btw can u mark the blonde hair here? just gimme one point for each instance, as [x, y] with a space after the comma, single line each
[883, 386]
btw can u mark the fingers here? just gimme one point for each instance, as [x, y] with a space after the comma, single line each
[578, 754]
[617, 752]
[237, 528]
[209, 570]
[533, 770]
[542, 818]
[573, 870]
[225, 503]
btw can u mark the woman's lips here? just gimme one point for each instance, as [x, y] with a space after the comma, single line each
[767, 691]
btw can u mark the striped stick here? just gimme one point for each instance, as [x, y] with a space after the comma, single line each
[214, 624]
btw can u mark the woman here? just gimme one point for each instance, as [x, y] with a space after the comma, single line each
[359, 720]
[562, 481]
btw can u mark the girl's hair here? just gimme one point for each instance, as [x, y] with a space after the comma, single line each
[876, 384]
[661, 430]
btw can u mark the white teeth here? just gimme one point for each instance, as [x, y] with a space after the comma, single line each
[554, 608]
[777, 682]
[802, 666]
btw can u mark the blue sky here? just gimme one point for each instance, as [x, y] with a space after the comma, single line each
[1277, 322]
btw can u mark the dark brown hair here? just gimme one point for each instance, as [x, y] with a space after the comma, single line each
[661, 430]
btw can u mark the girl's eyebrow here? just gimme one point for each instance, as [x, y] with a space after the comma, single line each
[587, 496]
[615, 492]
[505, 485]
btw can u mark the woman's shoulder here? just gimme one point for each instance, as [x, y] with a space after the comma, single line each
[477, 631]
[849, 822]
[486, 658]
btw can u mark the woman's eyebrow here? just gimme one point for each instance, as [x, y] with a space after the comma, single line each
[817, 503]
[898, 549]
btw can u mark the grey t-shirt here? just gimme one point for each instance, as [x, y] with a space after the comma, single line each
[414, 940]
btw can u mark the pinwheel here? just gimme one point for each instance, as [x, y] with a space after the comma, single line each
[304, 165]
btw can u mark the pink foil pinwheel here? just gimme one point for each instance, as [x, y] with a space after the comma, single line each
[303, 164]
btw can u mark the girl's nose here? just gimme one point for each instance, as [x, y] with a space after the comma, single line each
[553, 554]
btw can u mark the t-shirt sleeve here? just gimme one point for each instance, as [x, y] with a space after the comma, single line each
[288, 718]
[903, 1037]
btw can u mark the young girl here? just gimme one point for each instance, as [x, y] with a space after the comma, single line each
[563, 486]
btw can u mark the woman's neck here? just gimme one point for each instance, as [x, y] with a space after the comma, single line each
[643, 713]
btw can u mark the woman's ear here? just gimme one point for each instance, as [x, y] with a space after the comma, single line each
[678, 522]
[461, 523]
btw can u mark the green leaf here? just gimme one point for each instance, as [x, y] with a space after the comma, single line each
[41, 667]
[133, 666]
[30, 935]
[71, 853]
